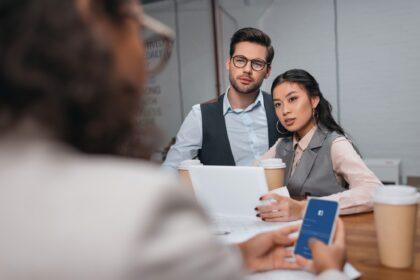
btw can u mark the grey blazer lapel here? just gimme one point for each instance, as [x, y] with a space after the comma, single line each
[284, 151]
[288, 159]
[307, 161]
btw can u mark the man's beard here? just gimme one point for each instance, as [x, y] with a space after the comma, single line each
[244, 89]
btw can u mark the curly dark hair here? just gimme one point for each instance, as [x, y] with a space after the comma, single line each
[253, 35]
[54, 70]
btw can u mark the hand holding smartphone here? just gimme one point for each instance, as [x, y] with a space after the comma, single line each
[319, 222]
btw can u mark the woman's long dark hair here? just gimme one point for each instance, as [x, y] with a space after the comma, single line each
[322, 114]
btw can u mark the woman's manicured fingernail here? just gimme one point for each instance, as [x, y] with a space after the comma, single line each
[261, 198]
[263, 219]
[258, 215]
[256, 208]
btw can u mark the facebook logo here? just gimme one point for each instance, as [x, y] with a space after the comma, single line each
[321, 213]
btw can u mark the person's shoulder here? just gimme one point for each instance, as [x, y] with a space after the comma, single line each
[118, 174]
[341, 138]
[213, 106]
[342, 143]
[335, 137]
[331, 136]
[195, 110]
[117, 166]
[129, 185]
[213, 101]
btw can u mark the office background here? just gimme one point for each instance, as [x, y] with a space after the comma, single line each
[364, 54]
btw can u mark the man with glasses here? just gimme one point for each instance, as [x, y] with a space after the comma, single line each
[238, 127]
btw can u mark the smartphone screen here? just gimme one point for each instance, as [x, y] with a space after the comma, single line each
[318, 222]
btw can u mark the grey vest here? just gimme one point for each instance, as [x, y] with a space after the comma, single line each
[314, 175]
[215, 148]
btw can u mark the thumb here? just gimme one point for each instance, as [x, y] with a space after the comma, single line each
[315, 244]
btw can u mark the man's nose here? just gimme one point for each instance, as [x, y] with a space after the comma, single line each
[248, 67]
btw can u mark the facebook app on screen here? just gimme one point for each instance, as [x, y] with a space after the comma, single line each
[317, 223]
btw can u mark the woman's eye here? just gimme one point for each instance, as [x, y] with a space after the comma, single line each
[277, 105]
[293, 98]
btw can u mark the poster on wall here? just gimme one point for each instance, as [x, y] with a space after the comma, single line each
[162, 100]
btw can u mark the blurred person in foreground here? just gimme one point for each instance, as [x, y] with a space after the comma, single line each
[72, 205]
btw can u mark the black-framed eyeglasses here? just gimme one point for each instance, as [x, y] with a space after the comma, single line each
[241, 61]
[158, 40]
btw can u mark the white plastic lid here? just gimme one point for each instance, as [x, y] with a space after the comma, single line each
[272, 163]
[396, 195]
[189, 162]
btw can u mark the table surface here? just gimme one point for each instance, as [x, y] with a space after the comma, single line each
[363, 254]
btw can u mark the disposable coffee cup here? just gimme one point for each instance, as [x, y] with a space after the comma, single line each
[274, 169]
[395, 221]
[183, 170]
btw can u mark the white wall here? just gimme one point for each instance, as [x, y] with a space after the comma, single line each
[235, 14]
[195, 36]
[303, 37]
[379, 59]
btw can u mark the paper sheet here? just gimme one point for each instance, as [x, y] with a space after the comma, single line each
[349, 270]
[228, 190]
[231, 229]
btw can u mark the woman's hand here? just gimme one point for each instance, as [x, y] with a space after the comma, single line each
[281, 210]
[268, 250]
[326, 257]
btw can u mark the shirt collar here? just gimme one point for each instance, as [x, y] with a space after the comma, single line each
[304, 142]
[228, 108]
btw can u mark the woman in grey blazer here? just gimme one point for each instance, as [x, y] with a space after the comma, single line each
[320, 159]
[72, 206]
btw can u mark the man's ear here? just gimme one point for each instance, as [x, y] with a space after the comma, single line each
[227, 63]
[268, 72]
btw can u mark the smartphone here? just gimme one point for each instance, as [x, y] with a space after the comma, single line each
[318, 222]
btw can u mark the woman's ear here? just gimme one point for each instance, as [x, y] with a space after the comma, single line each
[314, 101]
